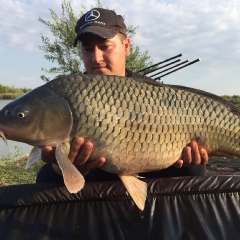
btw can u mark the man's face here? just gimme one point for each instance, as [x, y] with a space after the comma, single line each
[102, 56]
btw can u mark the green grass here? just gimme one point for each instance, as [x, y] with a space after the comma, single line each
[12, 169]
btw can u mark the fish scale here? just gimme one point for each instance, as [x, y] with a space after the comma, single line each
[173, 115]
[138, 125]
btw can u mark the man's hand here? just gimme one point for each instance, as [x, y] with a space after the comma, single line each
[192, 155]
[79, 154]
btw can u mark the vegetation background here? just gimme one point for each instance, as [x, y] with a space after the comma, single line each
[7, 92]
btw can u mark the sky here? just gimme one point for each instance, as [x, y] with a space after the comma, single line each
[206, 29]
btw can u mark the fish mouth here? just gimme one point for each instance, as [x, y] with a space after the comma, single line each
[3, 136]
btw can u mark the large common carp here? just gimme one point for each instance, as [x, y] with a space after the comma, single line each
[137, 124]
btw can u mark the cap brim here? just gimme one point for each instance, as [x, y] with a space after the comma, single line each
[105, 33]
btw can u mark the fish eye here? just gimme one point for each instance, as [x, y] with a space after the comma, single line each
[21, 113]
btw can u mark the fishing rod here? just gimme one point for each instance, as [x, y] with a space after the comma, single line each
[169, 68]
[153, 70]
[190, 63]
[154, 65]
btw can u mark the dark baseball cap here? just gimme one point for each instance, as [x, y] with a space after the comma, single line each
[101, 22]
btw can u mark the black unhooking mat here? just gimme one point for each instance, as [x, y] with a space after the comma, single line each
[176, 208]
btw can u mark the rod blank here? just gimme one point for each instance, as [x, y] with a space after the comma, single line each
[154, 65]
[153, 68]
[186, 65]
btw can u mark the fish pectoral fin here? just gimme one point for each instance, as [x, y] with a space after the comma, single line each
[136, 188]
[3, 137]
[73, 179]
[34, 156]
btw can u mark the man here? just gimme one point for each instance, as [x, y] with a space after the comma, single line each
[104, 48]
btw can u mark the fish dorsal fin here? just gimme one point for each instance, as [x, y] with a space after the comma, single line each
[234, 109]
[34, 156]
[73, 179]
[149, 81]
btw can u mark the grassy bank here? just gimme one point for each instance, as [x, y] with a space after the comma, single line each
[11, 92]
[12, 169]
[13, 172]
[9, 96]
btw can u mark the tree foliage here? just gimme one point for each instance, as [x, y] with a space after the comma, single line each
[7, 92]
[235, 99]
[59, 48]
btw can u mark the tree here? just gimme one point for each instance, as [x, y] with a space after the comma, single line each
[60, 50]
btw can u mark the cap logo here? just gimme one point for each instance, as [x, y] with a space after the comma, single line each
[92, 16]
